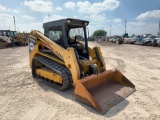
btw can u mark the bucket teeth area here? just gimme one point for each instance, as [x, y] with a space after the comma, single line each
[110, 94]
[103, 91]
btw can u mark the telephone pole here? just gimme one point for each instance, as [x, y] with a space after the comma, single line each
[110, 31]
[159, 24]
[159, 28]
[14, 23]
[125, 25]
[49, 17]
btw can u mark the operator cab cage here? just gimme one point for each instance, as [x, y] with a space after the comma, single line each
[63, 26]
[66, 32]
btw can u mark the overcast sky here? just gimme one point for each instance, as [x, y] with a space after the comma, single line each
[142, 15]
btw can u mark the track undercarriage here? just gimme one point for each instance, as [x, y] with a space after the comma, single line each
[42, 64]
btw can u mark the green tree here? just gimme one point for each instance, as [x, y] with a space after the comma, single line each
[99, 33]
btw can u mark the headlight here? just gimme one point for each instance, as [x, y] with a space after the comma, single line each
[68, 21]
[85, 23]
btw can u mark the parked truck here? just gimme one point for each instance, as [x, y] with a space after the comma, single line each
[148, 40]
[156, 41]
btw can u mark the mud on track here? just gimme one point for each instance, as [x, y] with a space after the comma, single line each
[22, 97]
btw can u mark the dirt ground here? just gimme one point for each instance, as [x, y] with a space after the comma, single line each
[22, 98]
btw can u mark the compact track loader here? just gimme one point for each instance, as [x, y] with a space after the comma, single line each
[61, 58]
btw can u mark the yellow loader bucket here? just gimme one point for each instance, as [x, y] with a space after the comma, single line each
[104, 90]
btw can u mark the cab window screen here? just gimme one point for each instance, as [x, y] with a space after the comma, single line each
[56, 35]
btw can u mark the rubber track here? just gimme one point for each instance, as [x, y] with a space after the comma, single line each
[59, 69]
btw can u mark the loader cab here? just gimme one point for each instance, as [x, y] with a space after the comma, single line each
[8, 33]
[69, 33]
[77, 39]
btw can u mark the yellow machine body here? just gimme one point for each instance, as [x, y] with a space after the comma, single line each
[101, 91]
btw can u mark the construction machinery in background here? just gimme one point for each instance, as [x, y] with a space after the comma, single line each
[4, 42]
[19, 38]
[61, 58]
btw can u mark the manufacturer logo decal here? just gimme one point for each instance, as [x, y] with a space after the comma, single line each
[31, 46]
[32, 43]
